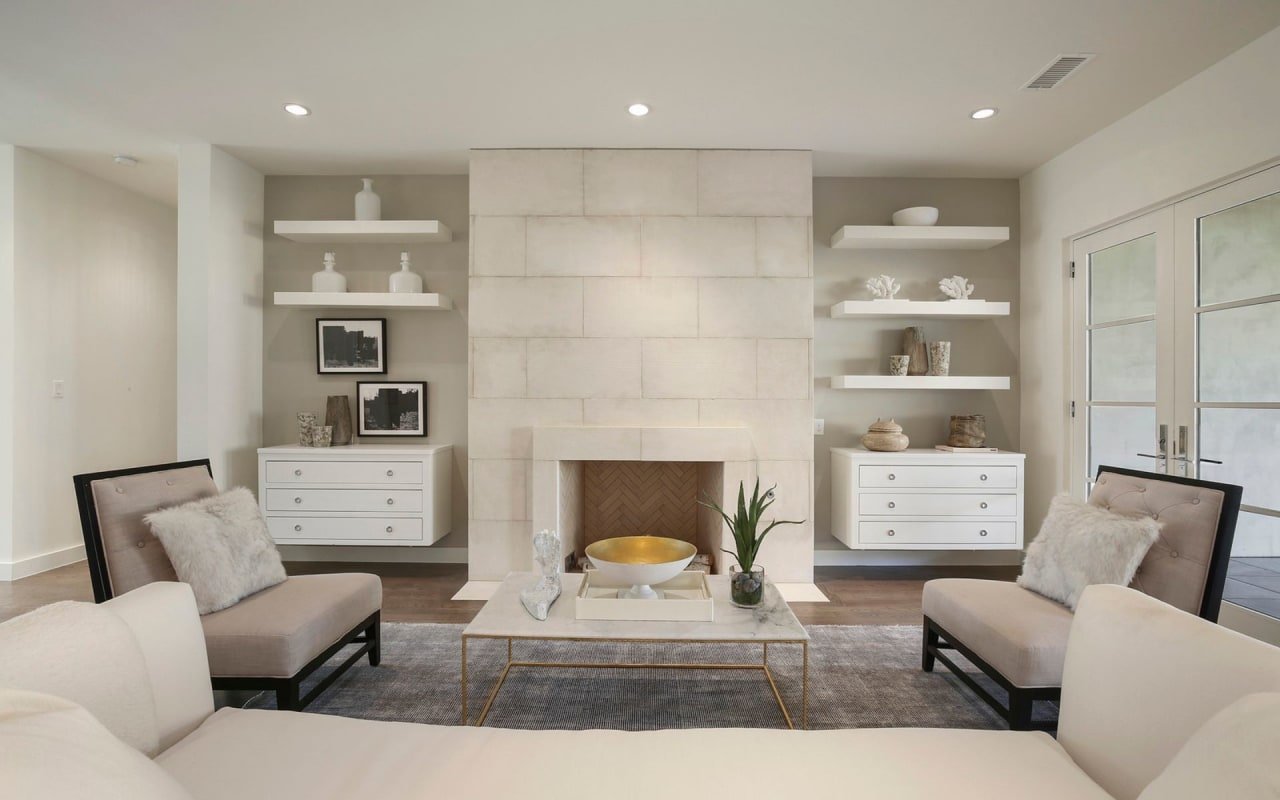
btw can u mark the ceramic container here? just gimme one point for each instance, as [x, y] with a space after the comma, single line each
[916, 215]
[406, 281]
[898, 365]
[640, 561]
[939, 358]
[886, 437]
[328, 279]
[368, 204]
[968, 430]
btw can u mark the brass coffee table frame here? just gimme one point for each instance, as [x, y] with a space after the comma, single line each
[763, 666]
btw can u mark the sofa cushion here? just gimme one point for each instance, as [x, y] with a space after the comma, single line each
[53, 749]
[134, 557]
[1018, 632]
[285, 755]
[220, 546]
[1081, 544]
[1233, 755]
[276, 632]
[87, 655]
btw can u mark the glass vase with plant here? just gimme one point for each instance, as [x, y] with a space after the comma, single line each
[746, 578]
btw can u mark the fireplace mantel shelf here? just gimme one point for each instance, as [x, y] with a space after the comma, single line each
[635, 443]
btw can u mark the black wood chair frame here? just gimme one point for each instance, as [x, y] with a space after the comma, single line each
[367, 634]
[1020, 706]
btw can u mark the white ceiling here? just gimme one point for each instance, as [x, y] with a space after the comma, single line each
[873, 87]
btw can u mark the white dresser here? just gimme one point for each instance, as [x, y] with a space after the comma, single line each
[360, 494]
[926, 500]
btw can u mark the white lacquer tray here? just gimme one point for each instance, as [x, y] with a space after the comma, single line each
[685, 598]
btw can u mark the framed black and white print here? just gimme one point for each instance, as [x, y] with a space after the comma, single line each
[351, 345]
[396, 408]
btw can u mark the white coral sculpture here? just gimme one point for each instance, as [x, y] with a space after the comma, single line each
[883, 287]
[956, 287]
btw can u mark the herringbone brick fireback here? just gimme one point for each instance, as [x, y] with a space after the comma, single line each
[633, 498]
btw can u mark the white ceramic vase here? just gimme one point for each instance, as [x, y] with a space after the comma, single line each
[405, 281]
[368, 204]
[328, 279]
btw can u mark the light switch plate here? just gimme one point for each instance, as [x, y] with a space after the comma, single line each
[819, 427]
[59, 389]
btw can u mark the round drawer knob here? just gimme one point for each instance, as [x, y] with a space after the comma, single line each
[892, 504]
[297, 527]
[984, 505]
[389, 529]
[297, 499]
[297, 472]
[982, 477]
[391, 501]
[890, 532]
[982, 533]
[892, 477]
[390, 473]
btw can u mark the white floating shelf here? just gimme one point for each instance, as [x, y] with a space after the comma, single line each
[426, 301]
[917, 237]
[347, 231]
[957, 309]
[919, 382]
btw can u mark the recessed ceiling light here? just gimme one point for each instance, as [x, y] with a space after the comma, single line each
[984, 113]
[297, 109]
[124, 160]
[637, 109]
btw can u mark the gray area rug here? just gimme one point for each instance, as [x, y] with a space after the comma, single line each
[859, 677]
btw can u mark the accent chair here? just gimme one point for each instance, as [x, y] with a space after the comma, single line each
[1019, 638]
[271, 640]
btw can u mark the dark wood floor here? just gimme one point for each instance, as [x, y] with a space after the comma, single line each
[422, 592]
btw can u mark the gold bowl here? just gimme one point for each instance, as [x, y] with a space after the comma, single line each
[640, 561]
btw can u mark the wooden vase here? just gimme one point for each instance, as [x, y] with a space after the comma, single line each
[968, 431]
[337, 414]
[913, 346]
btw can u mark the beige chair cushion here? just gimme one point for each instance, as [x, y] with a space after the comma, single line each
[276, 632]
[1176, 568]
[134, 556]
[1016, 631]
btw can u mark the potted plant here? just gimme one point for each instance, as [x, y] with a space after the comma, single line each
[746, 578]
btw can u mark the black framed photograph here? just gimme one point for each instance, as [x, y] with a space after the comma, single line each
[346, 346]
[392, 408]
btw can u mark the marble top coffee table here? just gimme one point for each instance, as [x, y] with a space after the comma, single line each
[503, 617]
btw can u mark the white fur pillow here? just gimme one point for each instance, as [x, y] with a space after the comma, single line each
[1080, 545]
[219, 545]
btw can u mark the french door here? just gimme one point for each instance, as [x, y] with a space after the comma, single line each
[1176, 359]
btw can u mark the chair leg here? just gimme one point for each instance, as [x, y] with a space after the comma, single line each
[374, 632]
[287, 697]
[930, 641]
[1020, 708]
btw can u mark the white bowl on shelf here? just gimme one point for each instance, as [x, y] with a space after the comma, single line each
[640, 561]
[916, 215]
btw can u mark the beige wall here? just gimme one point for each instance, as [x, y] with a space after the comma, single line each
[639, 288]
[94, 270]
[844, 346]
[422, 345]
[1220, 122]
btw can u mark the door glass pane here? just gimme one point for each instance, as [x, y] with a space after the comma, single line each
[1118, 434]
[1247, 441]
[1240, 252]
[1253, 577]
[1122, 281]
[1122, 363]
[1239, 354]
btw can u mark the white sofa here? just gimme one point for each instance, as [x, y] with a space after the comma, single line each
[1141, 678]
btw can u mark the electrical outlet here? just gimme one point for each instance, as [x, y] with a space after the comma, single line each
[58, 389]
[819, 427]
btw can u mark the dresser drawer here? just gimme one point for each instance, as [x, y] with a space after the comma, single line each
[940, 505]
[374, 472]
[941, 477]
[285, 529]
[898, 532]
[388, 500]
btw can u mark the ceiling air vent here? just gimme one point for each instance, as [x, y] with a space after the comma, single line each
[1058, 71]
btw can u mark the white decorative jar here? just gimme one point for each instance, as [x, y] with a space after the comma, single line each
[405, 281]
[328, 279]
[368, 204]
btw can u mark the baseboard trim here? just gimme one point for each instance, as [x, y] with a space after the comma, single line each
[916, 558]
[26, 567]
[373, 554]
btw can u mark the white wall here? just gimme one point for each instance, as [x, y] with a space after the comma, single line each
[1222, 121]
[7, 327]
[219, 391]
[94, 269]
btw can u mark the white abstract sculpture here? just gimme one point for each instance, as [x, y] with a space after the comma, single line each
[537, 599]
[883, 287]
[956, 287]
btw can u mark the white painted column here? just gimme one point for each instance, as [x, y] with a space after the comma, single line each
[220, 297]
[8, 358]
